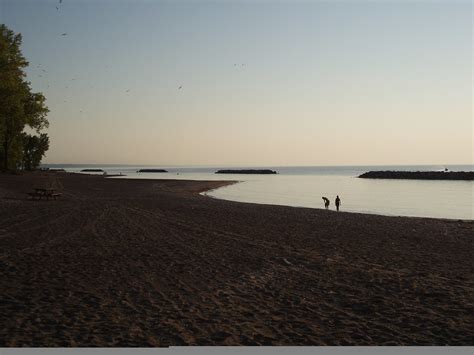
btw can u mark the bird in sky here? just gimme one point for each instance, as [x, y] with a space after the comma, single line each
[180, 87]
[57, 8]
[127, 90]
[60, 1]
[64, 34]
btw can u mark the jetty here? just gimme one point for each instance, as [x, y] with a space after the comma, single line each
[246, 171]
[420, 175]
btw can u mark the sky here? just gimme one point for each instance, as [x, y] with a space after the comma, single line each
[251, 83]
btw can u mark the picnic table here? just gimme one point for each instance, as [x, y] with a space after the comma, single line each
[42, 192]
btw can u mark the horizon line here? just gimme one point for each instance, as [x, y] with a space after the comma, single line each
[254, 165]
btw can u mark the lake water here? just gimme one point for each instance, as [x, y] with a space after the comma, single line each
[304, 187]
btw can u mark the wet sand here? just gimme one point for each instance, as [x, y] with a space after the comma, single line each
[118, 262]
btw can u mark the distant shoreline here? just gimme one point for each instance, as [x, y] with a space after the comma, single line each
[213, 168]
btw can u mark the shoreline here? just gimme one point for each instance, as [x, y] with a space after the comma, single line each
[204, 193]
[225, 183]
[132, 262]
[232, 182]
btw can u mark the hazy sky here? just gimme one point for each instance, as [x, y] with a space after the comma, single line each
[263, 82]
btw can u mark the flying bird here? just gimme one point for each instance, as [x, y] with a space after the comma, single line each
[127, 90]
[180, 87]
[64, 34]
[57, 8]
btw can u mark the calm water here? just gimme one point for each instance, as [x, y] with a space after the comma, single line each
[304, 187]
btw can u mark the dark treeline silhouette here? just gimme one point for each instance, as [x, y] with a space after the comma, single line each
[420, 175]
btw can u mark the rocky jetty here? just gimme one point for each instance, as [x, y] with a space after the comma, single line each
[246, 171]
[92, 171]
[420, 175]
[152, 171]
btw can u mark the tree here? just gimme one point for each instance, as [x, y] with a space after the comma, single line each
[34, 148]
[19, 107]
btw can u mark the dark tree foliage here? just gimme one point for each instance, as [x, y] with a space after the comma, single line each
[19, 107]
[34, 148]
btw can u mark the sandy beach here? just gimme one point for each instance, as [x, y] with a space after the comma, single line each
[117, 262]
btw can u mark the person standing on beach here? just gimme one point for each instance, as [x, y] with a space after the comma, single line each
[326, 202]
[338, 202]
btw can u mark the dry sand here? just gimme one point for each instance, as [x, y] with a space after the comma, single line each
[153, 263]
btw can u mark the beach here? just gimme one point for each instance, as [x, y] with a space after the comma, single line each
[118, 263]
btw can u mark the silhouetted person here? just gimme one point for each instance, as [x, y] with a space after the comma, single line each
[338, 202]
[326, 202]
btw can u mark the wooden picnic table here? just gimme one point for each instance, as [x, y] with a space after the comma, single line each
[45, 189]
[46, 192]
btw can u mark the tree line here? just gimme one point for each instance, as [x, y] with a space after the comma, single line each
[20, 109]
